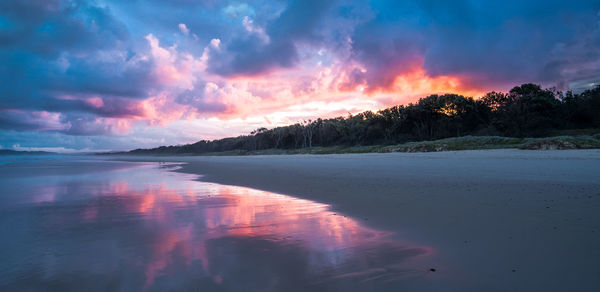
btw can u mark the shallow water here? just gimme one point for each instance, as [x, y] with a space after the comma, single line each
[83, 224]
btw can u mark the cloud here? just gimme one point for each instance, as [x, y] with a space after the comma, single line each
[257, 50]
[86, 125]
[54, 50]
[183, 28]
[86, 72]
[78, 64]
[49, 28]
[203, 99]
[237, 10]
[18, 120]
[491, 44]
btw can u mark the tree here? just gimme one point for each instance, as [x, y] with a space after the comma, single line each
[526, 110]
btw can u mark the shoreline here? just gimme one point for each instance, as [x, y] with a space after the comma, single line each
[574, 142]
[504, 219]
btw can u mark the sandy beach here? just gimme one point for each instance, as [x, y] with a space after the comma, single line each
[498, 220]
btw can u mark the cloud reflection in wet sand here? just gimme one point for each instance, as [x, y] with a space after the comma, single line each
[158, 230]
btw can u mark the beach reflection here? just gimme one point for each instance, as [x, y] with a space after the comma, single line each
[148, 228]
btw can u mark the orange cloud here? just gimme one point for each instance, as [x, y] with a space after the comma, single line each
[279, 97]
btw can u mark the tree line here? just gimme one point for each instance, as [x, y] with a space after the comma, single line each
[525, 111]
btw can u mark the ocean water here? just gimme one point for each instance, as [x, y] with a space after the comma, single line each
[78, 223]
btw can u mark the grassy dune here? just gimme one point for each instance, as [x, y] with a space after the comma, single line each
[494, 142]
[448, 144]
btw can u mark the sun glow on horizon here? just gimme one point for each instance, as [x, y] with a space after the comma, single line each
[87, 76]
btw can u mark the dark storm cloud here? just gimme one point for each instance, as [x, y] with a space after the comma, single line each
[250, 54]
[49, 28]
[26, 121]
[104, 77]
[488, 44]
[52, 49]
[492, 43]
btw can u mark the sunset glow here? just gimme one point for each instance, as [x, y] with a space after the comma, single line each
[98, 75]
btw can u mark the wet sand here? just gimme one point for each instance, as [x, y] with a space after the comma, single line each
[497, 220]
[82, 224]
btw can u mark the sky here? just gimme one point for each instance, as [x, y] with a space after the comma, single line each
[119, 75]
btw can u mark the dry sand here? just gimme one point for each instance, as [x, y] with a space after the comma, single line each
[498, 220]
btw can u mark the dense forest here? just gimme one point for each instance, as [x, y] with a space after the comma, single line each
[525, 111]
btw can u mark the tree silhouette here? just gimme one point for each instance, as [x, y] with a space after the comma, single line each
[525, 111]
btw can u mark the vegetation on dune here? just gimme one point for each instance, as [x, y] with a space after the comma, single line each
[434, 123]
[496, 142]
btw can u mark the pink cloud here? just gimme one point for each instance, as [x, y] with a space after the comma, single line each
[173, 68]
[95, 102]
[322, 86]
